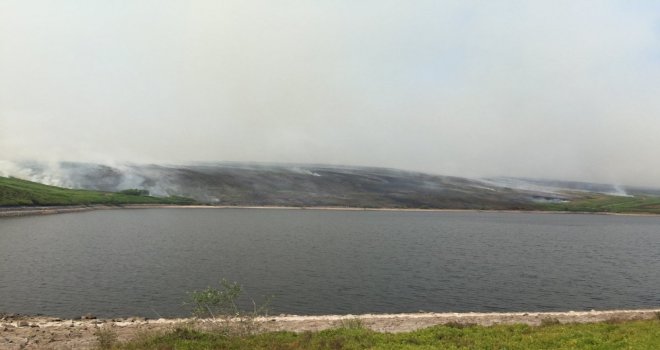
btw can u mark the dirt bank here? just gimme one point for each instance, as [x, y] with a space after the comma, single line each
[21, 332]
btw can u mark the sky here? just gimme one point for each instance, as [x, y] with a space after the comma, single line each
[547, 89]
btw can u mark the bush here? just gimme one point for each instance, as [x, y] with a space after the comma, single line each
[221, 306]
[351, 323]
[106, 338]
[212, 302]
[549, 321]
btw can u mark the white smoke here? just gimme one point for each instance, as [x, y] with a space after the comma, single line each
[163, 181]
[555, 188]
[10, 169]
[48, 173]
[618, 190]
[105, 177]
[299, 170]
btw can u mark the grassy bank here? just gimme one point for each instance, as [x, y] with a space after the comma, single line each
[17, 192]
[605, 335]
[609, 204]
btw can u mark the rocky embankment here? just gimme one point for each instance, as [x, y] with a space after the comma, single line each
[30, 332]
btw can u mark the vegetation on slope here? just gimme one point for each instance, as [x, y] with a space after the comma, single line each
[605, 335]
[608, 204]
[17, 192]
[249, 184]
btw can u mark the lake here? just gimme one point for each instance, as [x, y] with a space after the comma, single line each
[142, 262]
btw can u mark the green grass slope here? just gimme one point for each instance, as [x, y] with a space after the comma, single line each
[608, 204]
[17, 192]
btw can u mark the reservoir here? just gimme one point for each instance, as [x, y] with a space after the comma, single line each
[143, 262]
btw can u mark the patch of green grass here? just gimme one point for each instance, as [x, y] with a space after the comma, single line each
[609, 204]
[627, 335]
[17, 192]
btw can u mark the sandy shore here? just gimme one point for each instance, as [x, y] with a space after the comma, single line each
[21, 332]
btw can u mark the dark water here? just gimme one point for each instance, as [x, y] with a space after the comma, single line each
[142, 262]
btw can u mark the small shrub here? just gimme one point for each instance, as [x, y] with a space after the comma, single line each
[106, 338]
[351, 323]
[212, 302]
[549, 321]
[221, 306]
[186, 333]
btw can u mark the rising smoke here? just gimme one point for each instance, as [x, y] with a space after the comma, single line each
[555, 89]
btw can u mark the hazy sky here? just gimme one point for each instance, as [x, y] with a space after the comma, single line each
[553, 89]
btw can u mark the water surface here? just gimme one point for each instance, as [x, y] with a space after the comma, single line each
[142, 262]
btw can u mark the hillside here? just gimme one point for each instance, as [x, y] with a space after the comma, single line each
[288, 185]
[258, 184]
[17, 192]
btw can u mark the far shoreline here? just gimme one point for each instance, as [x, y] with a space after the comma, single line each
[50, 210]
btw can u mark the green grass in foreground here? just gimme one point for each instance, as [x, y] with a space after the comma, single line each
[17, 192]
[606, 335]
[611, 204]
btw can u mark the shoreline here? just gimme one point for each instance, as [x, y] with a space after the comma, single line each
[50, 210]
[38, 332]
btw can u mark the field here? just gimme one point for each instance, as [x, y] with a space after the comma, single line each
[17, 192]
[605, 335]
[608, 204]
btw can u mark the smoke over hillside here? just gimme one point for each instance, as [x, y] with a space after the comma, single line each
[566, 90]
[303, 185]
